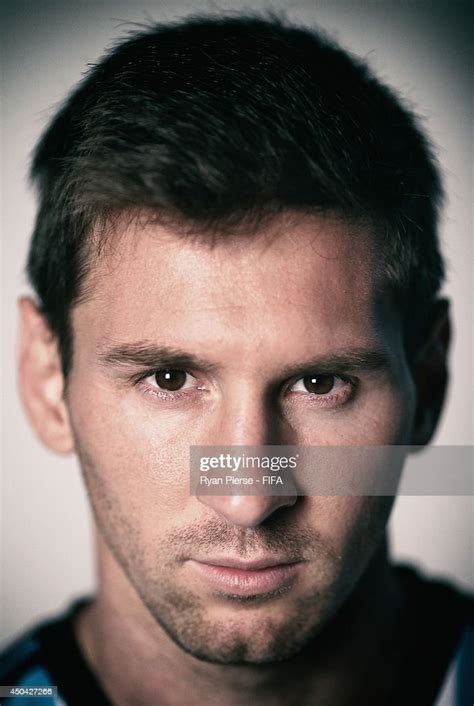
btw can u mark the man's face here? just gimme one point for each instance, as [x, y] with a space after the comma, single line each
[241, 331]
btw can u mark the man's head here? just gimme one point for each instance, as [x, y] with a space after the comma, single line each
[214, 125]
[236, 244]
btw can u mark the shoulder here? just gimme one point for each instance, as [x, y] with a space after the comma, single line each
[464, 667]
[439, 637]
[458, 686]
[444, 608]
[22, 659]
[22, 666]
[30, 659]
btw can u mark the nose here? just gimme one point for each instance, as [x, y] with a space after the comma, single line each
[249, 416]
[249, 420]
[246, 510]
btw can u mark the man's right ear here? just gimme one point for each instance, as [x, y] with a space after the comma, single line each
[41, 379]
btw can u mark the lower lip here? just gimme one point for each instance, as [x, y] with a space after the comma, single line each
[245, 582]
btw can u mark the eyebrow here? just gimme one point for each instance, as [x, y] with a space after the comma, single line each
[354, 359]
[149, 355]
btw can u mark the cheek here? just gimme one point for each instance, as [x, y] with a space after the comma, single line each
[352, 526]
[381, 419]
[377, 416]
[131, 460]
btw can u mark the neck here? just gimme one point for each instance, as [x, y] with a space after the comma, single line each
[137, 663]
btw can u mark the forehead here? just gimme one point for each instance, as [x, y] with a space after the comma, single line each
[300, 275]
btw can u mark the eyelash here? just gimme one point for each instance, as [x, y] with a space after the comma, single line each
[165, 395]
[329, 399]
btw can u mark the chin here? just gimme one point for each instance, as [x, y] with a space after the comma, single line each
[244, 631]
[232, 645]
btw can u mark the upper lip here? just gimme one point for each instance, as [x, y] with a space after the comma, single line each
[247, 565]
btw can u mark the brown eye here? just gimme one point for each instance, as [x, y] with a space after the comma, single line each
[171, 380]
[318, 384]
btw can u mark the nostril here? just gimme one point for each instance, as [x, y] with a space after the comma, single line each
[246, 510]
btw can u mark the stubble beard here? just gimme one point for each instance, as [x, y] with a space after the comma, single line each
[227, 629]
[274, 627]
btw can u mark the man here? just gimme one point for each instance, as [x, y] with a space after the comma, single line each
[236, 245]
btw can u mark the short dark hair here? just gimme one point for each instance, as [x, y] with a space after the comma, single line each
[217, 121]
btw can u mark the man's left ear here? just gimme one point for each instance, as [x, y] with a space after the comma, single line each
[430, 374]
